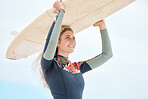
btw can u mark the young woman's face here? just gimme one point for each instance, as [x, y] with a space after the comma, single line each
[67, 42]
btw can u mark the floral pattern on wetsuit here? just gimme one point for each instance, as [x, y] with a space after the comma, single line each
[66, 65]
[56, 17]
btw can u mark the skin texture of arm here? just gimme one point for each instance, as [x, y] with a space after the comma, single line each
[106, 51]
[53, 36]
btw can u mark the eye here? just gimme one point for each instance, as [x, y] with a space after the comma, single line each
[67, 37]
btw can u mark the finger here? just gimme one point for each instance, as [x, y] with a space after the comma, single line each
[100, 21]
[55, 11]
[95, 25]
[59, 0]
[97, 22]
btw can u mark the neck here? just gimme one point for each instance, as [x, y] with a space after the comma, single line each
[63, 54]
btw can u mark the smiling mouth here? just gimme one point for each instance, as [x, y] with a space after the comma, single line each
[71, 46]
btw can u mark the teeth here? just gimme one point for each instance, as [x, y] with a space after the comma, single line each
[70, 46]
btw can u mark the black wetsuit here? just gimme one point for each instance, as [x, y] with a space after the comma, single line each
[64, 78]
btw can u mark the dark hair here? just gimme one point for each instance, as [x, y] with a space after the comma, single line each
[37, 62]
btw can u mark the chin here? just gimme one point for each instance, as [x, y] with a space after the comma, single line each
[71, 51]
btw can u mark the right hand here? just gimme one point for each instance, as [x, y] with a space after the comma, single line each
[58, 5]
[101, 24]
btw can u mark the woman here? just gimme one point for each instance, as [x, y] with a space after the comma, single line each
[64, 78]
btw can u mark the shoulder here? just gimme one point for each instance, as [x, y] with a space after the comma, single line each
[82, 66]
[78, 64]
[46, 63]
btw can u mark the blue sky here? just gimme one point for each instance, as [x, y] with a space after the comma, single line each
[124, 76]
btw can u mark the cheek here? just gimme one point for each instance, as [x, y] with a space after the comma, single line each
[75, 42]
[64, 43]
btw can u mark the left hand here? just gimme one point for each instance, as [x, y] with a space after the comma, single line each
[101, 24]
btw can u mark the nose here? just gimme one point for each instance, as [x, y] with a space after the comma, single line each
[72, 40]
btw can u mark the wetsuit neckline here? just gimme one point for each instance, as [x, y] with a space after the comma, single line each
[66, 58]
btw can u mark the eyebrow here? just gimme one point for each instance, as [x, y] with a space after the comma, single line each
[69, 35]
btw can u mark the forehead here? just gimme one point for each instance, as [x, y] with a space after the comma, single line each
[68, 32]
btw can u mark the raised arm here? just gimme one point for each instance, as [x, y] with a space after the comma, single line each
[54, 33]
[106, 47]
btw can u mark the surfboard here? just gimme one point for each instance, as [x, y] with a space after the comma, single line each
[79, 14]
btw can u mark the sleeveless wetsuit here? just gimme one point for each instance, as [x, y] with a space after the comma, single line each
[64, 78]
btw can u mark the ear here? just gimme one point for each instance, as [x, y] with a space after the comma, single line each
[58, 43]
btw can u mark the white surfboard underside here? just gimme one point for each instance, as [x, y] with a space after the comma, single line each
[80, 14]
